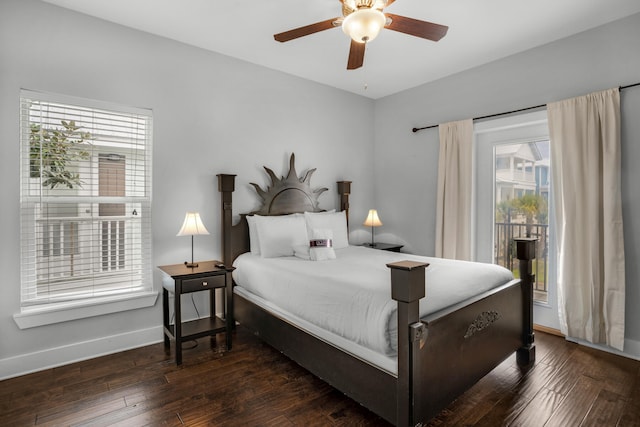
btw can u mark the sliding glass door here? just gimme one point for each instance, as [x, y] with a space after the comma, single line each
[512, 200]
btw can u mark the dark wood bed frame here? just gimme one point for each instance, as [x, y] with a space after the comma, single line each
[439, 356]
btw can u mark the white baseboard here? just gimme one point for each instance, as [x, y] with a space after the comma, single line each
[58, 356]
[632, 349]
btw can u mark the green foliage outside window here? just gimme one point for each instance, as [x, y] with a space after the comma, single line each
[54, 150]
[533, 206]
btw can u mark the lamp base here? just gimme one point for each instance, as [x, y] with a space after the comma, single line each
[190, 264]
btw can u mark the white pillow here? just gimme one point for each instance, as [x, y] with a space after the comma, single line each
[334, 221]
[254, 244]
[321, 246]
[300, 251]
[278, 235]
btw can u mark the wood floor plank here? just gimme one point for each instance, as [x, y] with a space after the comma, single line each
[514, 401]
[256, 385]
[550, 354]
[539, 409]
[496, 391]
[605, 411]
[630, 416]
[19, 419]
[74, 415]
[126, 416]
[567, 375]
[146, 417]
[576, 404]
[617, 373]
[631, 412]
[539, 376]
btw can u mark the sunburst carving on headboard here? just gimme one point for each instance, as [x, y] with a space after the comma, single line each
[288, 194]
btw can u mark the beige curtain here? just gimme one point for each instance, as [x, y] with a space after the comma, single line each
[454, 198]
[585, 167]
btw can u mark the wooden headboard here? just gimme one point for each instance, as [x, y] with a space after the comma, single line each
[286, 195]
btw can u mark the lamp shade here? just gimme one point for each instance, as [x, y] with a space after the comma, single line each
[372, 219]
[364, 25]
[192, 225]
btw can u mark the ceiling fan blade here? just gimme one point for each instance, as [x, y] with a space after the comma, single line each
[306, 30]
[415, 27]
[356, 55]
[389, 3]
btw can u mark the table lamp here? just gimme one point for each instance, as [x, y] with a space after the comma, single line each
[192, 226]
[372, 221]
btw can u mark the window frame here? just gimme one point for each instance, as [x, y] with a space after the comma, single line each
[36, 311]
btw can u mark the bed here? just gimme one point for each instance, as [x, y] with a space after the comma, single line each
[436, 353]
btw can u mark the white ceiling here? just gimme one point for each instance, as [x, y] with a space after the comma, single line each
[480, 31]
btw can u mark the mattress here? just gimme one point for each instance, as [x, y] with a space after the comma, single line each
[350, 297]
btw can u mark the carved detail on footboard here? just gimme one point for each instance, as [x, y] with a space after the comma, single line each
[483, 321]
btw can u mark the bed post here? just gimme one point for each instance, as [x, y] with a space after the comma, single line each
[407, 287]
[226, 185]
[344, 189]
[526, 252]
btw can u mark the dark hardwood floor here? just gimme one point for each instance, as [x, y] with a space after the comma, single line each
[253, 385]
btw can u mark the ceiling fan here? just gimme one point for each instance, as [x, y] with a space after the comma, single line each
[362, 20]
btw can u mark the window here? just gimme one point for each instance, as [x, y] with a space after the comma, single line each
[85, 201]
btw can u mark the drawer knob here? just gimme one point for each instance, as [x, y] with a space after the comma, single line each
[204, 283]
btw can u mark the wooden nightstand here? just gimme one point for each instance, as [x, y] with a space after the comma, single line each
[391, 247]
[205, 277]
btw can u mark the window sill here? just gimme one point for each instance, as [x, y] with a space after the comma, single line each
[32, 317]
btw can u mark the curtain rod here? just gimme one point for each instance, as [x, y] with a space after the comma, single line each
[514, 111]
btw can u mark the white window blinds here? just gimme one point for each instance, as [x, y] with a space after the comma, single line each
[85, 199]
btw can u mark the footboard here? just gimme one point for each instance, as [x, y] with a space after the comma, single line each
[444, 354]
[464, 345]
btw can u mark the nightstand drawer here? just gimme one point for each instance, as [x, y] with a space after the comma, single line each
[203, 283]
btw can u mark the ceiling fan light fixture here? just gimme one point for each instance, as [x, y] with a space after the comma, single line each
[364, 24]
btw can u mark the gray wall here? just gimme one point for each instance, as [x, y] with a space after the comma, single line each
[212, 114]
[406, 163]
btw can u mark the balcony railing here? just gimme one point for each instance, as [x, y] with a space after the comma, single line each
[79, 246]
[515, 175]
[505, 256]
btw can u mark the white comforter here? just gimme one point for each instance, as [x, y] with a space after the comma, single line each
[351, 295]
